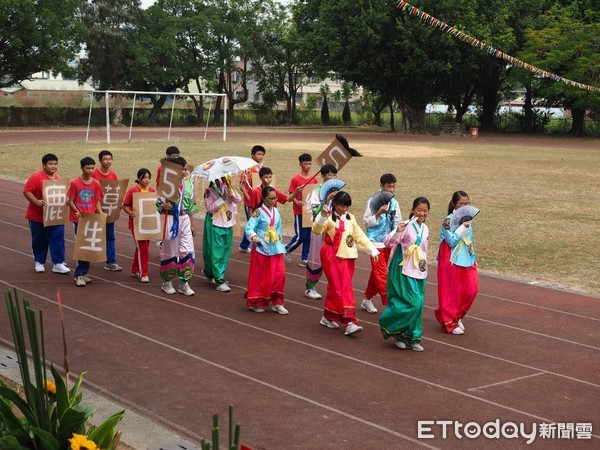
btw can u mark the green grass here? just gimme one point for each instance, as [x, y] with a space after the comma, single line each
[538, 204]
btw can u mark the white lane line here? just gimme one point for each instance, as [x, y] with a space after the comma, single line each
[506, 381]
[227, 369]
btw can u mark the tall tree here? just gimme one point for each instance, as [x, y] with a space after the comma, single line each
[35, 36]
[568, 44]
[110, 26]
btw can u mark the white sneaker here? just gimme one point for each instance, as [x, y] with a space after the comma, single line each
[145, 279]
[257, 309]
[87, 278]
[167, 288]
[279, 309]
[417, 347]
[312, 293]
[135, 275]
[245, 250]
[114, 267]
[400, 345]
[460, 325]
[79, 281]
[352, 328]
[458, 330]
[60, 268]
[185, 289]
[302, 263]
[367, 305]
[39, 267]
[223, 287]
[287, 257]
[329, 323]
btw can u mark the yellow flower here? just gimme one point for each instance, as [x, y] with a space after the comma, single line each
[50, 387]
[80, 442]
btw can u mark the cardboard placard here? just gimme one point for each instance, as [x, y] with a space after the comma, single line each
[170, 180]
[336, 155]
[148, 224]
[90, 242]
[237, 230]
[54, 194]
[114, 194]
[307, 215]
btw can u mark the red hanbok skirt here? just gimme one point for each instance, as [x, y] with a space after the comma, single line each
[266, 280]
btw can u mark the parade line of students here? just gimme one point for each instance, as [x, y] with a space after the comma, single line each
[397, 248]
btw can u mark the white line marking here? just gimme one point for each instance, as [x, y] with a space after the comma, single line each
[506, 381]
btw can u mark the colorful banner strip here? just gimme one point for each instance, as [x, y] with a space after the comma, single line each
[436, 23]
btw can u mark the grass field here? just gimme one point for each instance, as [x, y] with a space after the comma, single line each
[538, 203]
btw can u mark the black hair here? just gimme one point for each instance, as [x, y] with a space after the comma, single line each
[342, 198]
[304, 157]
[49, 157]
[263, 194]
[256, 149]
[264, 171]
[387, 178]
[179, 160]
[418, 201]
[328, 168]
[87, 161]
[141, 173]
[172, 150]
[104, 153]
[455, 198]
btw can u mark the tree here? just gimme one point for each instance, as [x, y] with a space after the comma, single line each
[35, 36]
[110, 26]
[568, 44]
[347, 90]
[325, 91]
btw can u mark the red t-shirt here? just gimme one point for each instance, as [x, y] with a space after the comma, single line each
[34, 185]
[85, 196]
[128, 201]
[298, 180]
[256, 197]
[97, 175]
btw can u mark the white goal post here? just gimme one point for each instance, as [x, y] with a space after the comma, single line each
[107, 95]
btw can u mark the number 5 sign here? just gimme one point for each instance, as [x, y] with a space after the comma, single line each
[170, 180]
[148, 224]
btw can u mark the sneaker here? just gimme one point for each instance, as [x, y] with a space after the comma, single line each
[458, 330]
[245, 250]
[185, 289]
[223, 287]
[352, 328]
[60, 268]
[302, 263]
[417, 347]
[329, 323]
[279, 309]
[145, 279]
[367, 305]
[87, 278]
[288, 257]
[460, 325]
[114, 267]
[39, 267]
[167, 288]
[79, 281]
[135, 275]
[311, 293]
[400, 345]
[257, 309]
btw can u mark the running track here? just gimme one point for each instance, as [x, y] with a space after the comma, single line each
[530, 355]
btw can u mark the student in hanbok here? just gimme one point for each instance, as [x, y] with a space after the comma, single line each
[266, 277]
[342, 236]
[221, 201]
[177, 254]
[402, 318]
[141, 257]
[314, 268]
[458, 281]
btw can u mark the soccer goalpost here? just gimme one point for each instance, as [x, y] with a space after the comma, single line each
[108, 94]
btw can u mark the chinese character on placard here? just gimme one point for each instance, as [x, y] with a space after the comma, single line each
[114, 193]
[54, 194]
[148, 223]
[90, 241]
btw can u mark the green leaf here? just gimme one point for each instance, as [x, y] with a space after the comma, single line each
[74, 394]
[62, 396]
[104, 433]
[11, 421]
[72, 421]
[48, 441]
[11, 395]
[10, 443]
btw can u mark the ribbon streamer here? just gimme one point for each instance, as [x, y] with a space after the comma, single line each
[436, 23]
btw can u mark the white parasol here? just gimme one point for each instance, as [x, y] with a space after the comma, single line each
[225, 166]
